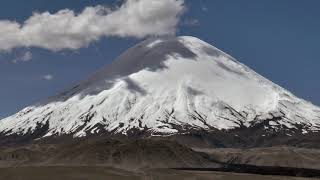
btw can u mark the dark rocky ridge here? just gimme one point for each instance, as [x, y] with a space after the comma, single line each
[140, 155]
[258, 135]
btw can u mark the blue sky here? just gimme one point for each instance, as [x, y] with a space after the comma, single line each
[278, 39]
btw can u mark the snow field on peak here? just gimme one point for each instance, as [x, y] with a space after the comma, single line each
[208, 90]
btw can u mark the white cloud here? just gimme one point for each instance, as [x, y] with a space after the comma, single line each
[191, 22]
[25, 57]
[204, 8]
[67, 30]
[47, 77]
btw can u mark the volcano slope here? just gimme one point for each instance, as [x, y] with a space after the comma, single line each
[161, 99]
[167, 87]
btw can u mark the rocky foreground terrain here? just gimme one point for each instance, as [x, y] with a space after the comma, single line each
[122, 158]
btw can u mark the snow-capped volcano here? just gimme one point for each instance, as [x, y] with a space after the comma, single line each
[165, 86]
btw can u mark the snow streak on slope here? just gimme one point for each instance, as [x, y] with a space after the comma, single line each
[164, 86]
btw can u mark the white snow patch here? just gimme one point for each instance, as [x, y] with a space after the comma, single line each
[153, 43]
[272, 123]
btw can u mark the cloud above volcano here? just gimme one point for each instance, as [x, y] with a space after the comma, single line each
[67, 29]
